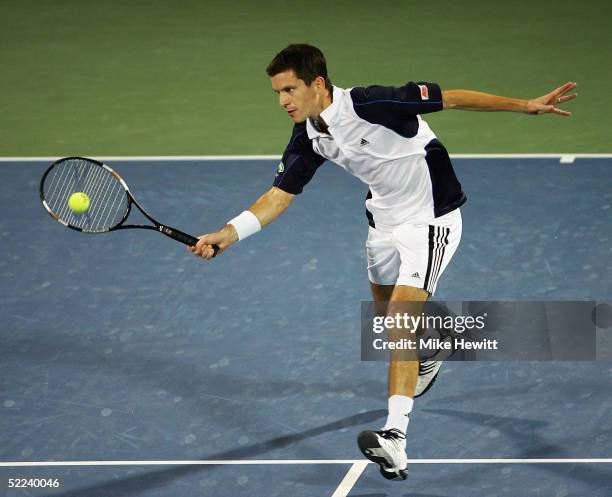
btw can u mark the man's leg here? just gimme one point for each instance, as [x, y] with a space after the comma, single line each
[412, 257]
[387, 446]
[404, 364]
[381, 293]
[403, 372]
[403, 368]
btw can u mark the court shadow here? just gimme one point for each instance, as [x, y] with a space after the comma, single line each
[404, 495]
[507, 423]
[524, 433]
[154, 479]
[423, 495]
[167, 373]
[530, 444]
[569, 387]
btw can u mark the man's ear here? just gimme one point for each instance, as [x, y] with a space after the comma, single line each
[319, 82]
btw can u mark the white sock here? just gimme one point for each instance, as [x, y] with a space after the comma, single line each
[400, 407]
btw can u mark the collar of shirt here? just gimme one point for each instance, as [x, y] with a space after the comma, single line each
[328, 115]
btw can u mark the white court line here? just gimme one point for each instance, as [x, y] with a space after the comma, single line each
[212, 462]
[204, 158]
[152, 158]
[348, 482]
[567, 159]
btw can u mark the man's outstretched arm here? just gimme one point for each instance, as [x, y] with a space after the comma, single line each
[474, 100]
[266, 209]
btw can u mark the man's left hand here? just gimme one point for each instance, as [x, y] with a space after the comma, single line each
[546, 104]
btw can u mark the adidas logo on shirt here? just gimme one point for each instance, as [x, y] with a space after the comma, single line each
[364, 142]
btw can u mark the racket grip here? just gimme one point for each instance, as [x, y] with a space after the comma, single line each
[184, 238]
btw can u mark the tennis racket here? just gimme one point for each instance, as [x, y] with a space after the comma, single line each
[110, 200]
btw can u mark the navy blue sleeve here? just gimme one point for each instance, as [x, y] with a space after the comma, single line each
[402, 102]
[397, 108]
[299, 162]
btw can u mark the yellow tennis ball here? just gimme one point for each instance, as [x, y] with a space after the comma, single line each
[78, 202]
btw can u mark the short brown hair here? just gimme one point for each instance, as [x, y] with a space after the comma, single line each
[306, 61]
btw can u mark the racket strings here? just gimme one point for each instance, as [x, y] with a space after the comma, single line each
[108, 199]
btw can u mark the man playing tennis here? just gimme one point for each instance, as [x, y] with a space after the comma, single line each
[377, 134]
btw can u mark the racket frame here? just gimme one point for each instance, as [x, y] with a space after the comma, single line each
[156, 226]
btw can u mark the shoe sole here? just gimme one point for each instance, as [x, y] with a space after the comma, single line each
[431, 383]
[367, 440]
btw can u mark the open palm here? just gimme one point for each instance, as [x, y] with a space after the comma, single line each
[546, 104]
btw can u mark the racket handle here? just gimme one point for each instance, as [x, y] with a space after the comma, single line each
[184, 238]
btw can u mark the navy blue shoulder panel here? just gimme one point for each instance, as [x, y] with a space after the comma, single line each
[299, 162]
[396, 108]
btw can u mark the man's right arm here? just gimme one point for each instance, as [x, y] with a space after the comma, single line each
[297, 167]
[271, 205]
[266, 209]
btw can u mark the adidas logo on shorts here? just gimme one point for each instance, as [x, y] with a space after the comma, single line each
[416, 275]
[364, 142]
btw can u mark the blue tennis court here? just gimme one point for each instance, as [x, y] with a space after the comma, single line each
[129, 367]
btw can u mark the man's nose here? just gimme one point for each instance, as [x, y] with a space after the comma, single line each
[283, 100]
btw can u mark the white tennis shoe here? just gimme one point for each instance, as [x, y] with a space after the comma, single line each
[428, 372]
[387, 448]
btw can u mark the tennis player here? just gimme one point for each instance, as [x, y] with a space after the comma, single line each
[377, 134]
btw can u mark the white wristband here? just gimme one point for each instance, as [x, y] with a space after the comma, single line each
[246, 223]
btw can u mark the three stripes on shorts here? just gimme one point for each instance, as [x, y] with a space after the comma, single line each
[438, 240]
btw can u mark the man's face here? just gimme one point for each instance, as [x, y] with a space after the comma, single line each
[299, 100]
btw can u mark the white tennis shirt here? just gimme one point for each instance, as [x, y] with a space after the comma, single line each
[377, 134]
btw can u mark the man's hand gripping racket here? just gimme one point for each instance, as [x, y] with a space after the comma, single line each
[221, 239]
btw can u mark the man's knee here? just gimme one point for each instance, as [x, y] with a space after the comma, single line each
[406, 293]
[381, 293]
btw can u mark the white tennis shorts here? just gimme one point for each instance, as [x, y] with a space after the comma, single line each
[413, 254]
